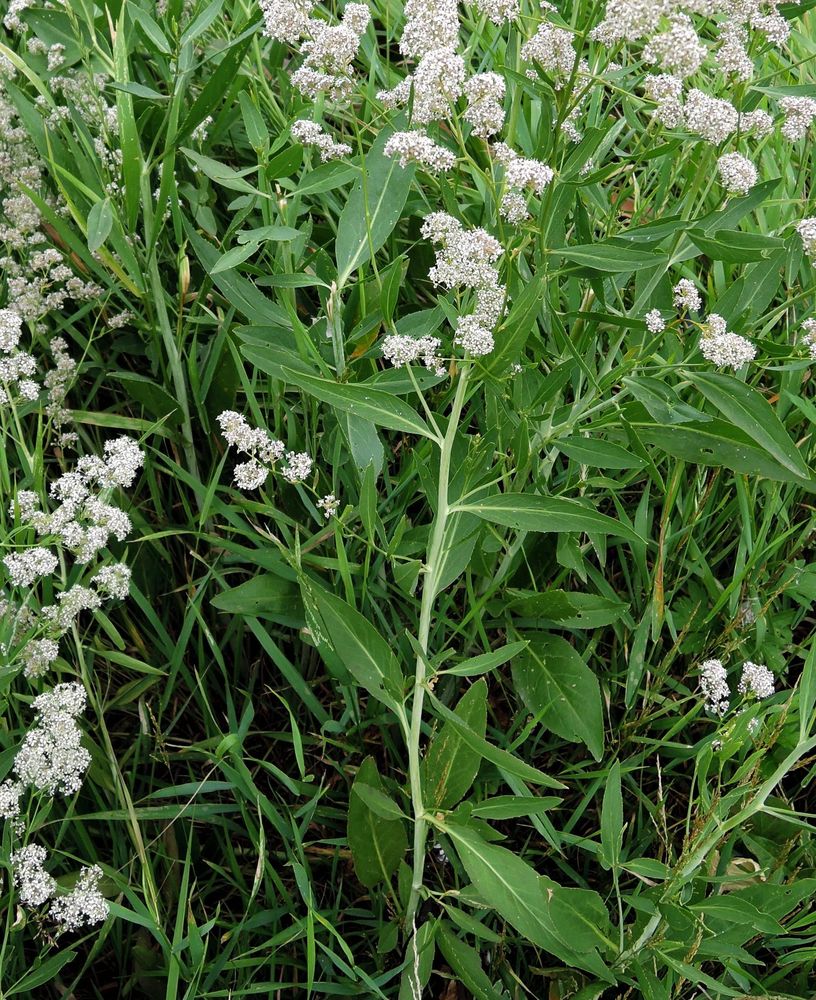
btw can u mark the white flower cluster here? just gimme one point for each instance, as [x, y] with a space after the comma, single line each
[807, 233]
[328, 48]
[737, 173]
[714, 685]
[263, 451]
[467, 259]
[418, 147]
[312, 134]
[686, 295]
[799, 113]
[654, 321]
[520, 174]
[80, 524]
[809, 337]
[329, 504]
[52, 758]
[552, 49]
[16, 366]
[401, 349]
[678, 50]
[436, 83]
[83, 906]
[756, 681]
[722, 348]
[329, 51]
[485, 112]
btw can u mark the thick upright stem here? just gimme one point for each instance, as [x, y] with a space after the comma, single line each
[430, 589]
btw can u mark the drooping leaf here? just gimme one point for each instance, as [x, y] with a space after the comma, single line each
[612, 819]
[531, 512]
[373, 208]
[556, 685]
[377, 845]
[450, 765]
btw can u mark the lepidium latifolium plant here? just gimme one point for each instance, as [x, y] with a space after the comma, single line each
[470, 647]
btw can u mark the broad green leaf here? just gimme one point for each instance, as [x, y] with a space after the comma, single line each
[132, 163]
[612, 258]
[256, 130]
[233, 257]
[264, 234]
[419, 962]
[100, 223]
[373, 208]
[379, 407]
[516, 892]
[264, 596]
[555, 684]
[612, 819]
[450, 765]
[221, 173]
[662, 402]
[486, 661]
[515, 806]
[377, 801]
[501, 758]
[748, 409]
[599, 454]
[561, 609]
[360, 647]
[466, 964]
[41, 974]
[531, 512]
[717, 442]
[377, 845]
[326, 177]
[735, 246]
[151, 30]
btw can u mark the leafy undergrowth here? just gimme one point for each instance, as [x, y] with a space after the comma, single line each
[463, 440]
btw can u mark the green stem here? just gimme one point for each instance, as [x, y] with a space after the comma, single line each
[433, 565]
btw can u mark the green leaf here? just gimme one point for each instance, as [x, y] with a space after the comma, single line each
[486, 661]
[611, 258]
[450, 765]
[326, 177]
[519, 896]
[377, 845]
[233, 257]
[41, 974]
[748, 409]
[359, 646]
[531, 512]
[517, 327]
[515, 806]
[377, 801]
[612, 819]
[735, 246]
[264, 596]
[152, 31]
[256, 130]
[599, 454]
[373, 208]
[555, 684]
[379, 407]
[563, 609]
[717, 442]
[221, 173]
[662, 402]
[501, 758]
[264, 234]
[100, 223]
[466, 964]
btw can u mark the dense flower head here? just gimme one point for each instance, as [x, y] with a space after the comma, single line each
[714, 685]
[552, 49]
[329, 51]
[418, 147]
[807, 233]
[498, 10]
[286, 20]
[25, 568]
[654, 321]
[485, 94]
[723, 348]
[430, 25]
[312, 134]
[809, 336]
[33, 883]
[678, 50]
[756, 681]
[401, 349]
[51, 757]
[11, 327]
[711, 117]
[737, 173]
[799, 113]
[84, 905]
[263, 451]
[686, 295]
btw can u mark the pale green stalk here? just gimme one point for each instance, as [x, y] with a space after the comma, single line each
[430, 589]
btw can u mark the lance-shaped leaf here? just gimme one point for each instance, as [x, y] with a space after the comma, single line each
[358, 645]
[531, 512]
[557, 686]
[524, 900]
[377, 844]
[381, 408]
[450, 765]
[748, 409]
